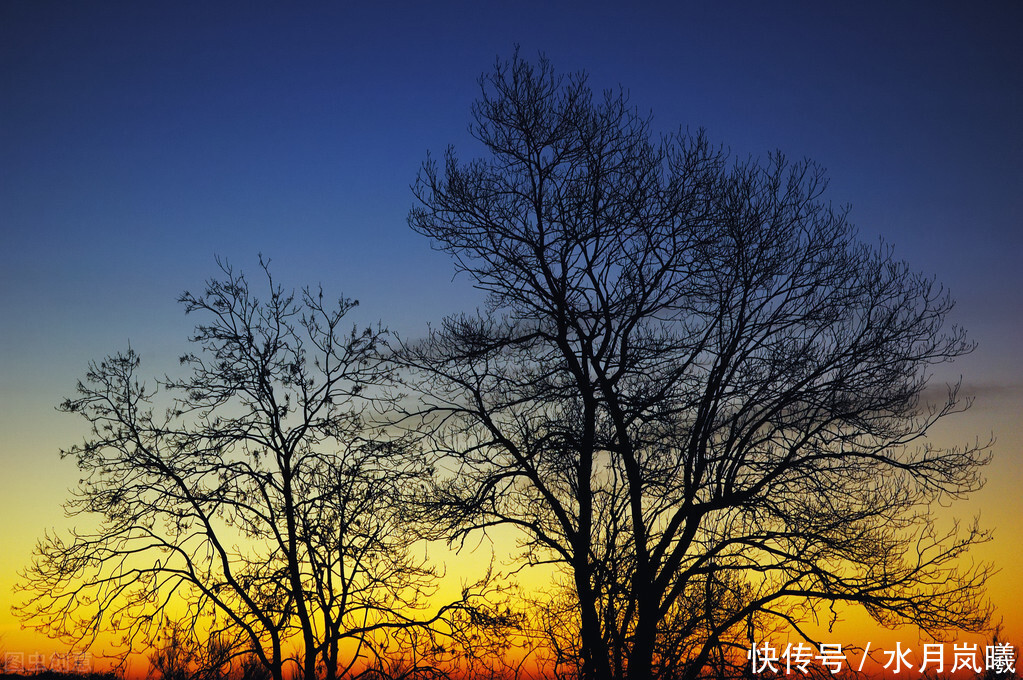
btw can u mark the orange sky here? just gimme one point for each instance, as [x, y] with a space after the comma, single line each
[31, 505]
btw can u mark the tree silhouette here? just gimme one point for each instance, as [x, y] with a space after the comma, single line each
[692, 388]
[178, 655]
[259, 504]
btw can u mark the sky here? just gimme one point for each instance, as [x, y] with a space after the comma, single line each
[140, 140]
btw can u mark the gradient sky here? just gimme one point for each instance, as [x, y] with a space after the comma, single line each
[138, 139]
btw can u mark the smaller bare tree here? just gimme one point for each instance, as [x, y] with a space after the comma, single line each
[259, 496]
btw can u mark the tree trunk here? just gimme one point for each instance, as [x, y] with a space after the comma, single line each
[595, 653]
[641, 659]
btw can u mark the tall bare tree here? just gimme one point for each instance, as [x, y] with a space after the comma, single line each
[692, 388]
[254, 499]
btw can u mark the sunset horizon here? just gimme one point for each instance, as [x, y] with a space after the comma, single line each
[511, 340]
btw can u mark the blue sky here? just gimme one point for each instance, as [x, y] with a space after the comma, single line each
[139, 139]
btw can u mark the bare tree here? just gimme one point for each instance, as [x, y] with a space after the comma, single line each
[175, 652]
[692, 387]
[261, 502]
[179, 652]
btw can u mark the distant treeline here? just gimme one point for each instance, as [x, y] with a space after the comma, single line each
[57, 675]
